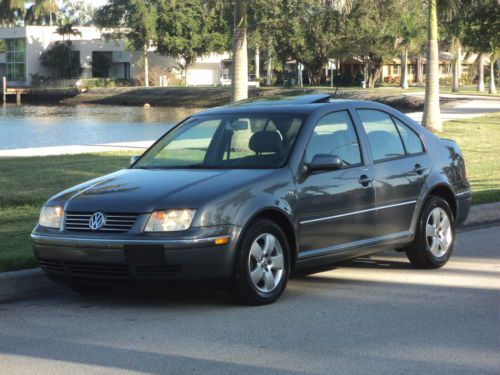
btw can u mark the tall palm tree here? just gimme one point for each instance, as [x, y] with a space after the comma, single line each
[493, 57]
[456, 53]
[239, 87]
[432, 114]
[480, 70]
[10, 10]
[410, 38]
[67, 29]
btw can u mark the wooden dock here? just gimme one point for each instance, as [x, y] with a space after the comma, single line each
[17, 91]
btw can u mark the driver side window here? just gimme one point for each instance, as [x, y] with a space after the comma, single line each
[334, 134]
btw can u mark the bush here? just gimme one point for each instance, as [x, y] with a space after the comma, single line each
[107, 82]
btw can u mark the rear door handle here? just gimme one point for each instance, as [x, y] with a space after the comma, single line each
[364, 180]
[418, 169]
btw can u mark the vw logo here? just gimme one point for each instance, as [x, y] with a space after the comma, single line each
[97, 220]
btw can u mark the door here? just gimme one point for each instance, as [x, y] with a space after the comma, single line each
[400, 166]
[335, 207]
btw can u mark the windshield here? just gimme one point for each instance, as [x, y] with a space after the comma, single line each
[226, 141]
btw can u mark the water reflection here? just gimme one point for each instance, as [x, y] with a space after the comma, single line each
[59, 125]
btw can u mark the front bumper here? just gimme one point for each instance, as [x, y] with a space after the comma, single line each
[90, 258]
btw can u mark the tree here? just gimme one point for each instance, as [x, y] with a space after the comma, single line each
[482, 30]
[42, 12]
[61, 59]
[79, 12]
[192, 28]
[67, 29]
[132, 20]
[11, 11]
[369, 34]
[409, 30]
[432, 114]
[239, 79]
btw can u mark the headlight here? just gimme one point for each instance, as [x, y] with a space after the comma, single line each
[169, 221]
[51, 217]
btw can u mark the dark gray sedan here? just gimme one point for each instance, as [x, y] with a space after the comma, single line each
[250, 193]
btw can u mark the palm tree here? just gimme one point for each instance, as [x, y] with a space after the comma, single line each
[480, 69]
[432, 114]
[456, 52]
[493, 58]
[68, 29]
[43, 9]
[239, 87]
[10, 10]
[431, 118]
[410, 39]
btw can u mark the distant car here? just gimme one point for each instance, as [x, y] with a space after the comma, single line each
[250, 193]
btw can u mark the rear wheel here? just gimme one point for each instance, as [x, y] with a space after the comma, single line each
[435, 236]
[263, 264]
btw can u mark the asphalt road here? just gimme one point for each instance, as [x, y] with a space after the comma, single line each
[372, 316]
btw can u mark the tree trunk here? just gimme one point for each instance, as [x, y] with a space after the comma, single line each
[146, 65]
[431, 118]
[404, 69]
[492, 89]
[480, 69]
[269, 75]
[257, 63]
[420, 70]
[240, 58]
[457, 62]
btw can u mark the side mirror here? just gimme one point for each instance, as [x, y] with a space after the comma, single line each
[134, 158]
[322, 162]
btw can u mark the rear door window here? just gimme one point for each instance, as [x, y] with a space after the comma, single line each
[383, 137]
[411, 140]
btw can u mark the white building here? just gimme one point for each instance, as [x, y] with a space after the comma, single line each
[21, 47]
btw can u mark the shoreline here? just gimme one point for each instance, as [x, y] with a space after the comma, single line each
[207, 97]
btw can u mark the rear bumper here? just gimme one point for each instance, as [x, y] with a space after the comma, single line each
[464, 201]
[74, 259]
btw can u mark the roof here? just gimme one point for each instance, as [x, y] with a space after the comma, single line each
[296, 104]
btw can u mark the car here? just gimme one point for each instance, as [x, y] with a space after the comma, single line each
[250, 193]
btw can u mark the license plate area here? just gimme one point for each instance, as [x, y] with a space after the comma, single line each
[145, 255]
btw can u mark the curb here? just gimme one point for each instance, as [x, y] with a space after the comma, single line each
[482, 214]
[28, 283]
[25, 283]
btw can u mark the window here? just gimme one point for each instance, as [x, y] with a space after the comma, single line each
[384, 139]
[411, 140]
[334, 134]
[226, 141]
[15, 53]
[395, 70]
[411, 69]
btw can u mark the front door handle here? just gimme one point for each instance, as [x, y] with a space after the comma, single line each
[364, 180]
[418, 169]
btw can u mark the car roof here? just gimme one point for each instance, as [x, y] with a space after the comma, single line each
[304, 104]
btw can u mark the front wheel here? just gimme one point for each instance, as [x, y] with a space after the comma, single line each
[263, 264]
[435, 235]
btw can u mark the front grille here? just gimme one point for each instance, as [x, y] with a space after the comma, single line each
[50, 265]
[110, 271]
[118, 223]
[98, 269]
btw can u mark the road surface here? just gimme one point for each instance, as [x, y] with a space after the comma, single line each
[371, 316]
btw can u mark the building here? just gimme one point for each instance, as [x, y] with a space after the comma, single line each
[21, 47]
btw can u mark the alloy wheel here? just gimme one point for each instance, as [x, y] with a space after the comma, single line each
[438, 232]
[266, 262]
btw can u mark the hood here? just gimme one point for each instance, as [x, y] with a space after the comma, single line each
[142, 191]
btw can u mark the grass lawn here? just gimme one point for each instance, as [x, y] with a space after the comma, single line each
[26, 183]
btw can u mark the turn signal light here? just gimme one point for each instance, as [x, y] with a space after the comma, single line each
[222, 240]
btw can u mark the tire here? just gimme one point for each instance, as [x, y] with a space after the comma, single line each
[261, 269]
[435, 235]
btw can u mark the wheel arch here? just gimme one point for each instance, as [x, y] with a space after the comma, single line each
[445, 192]
[283, 220]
